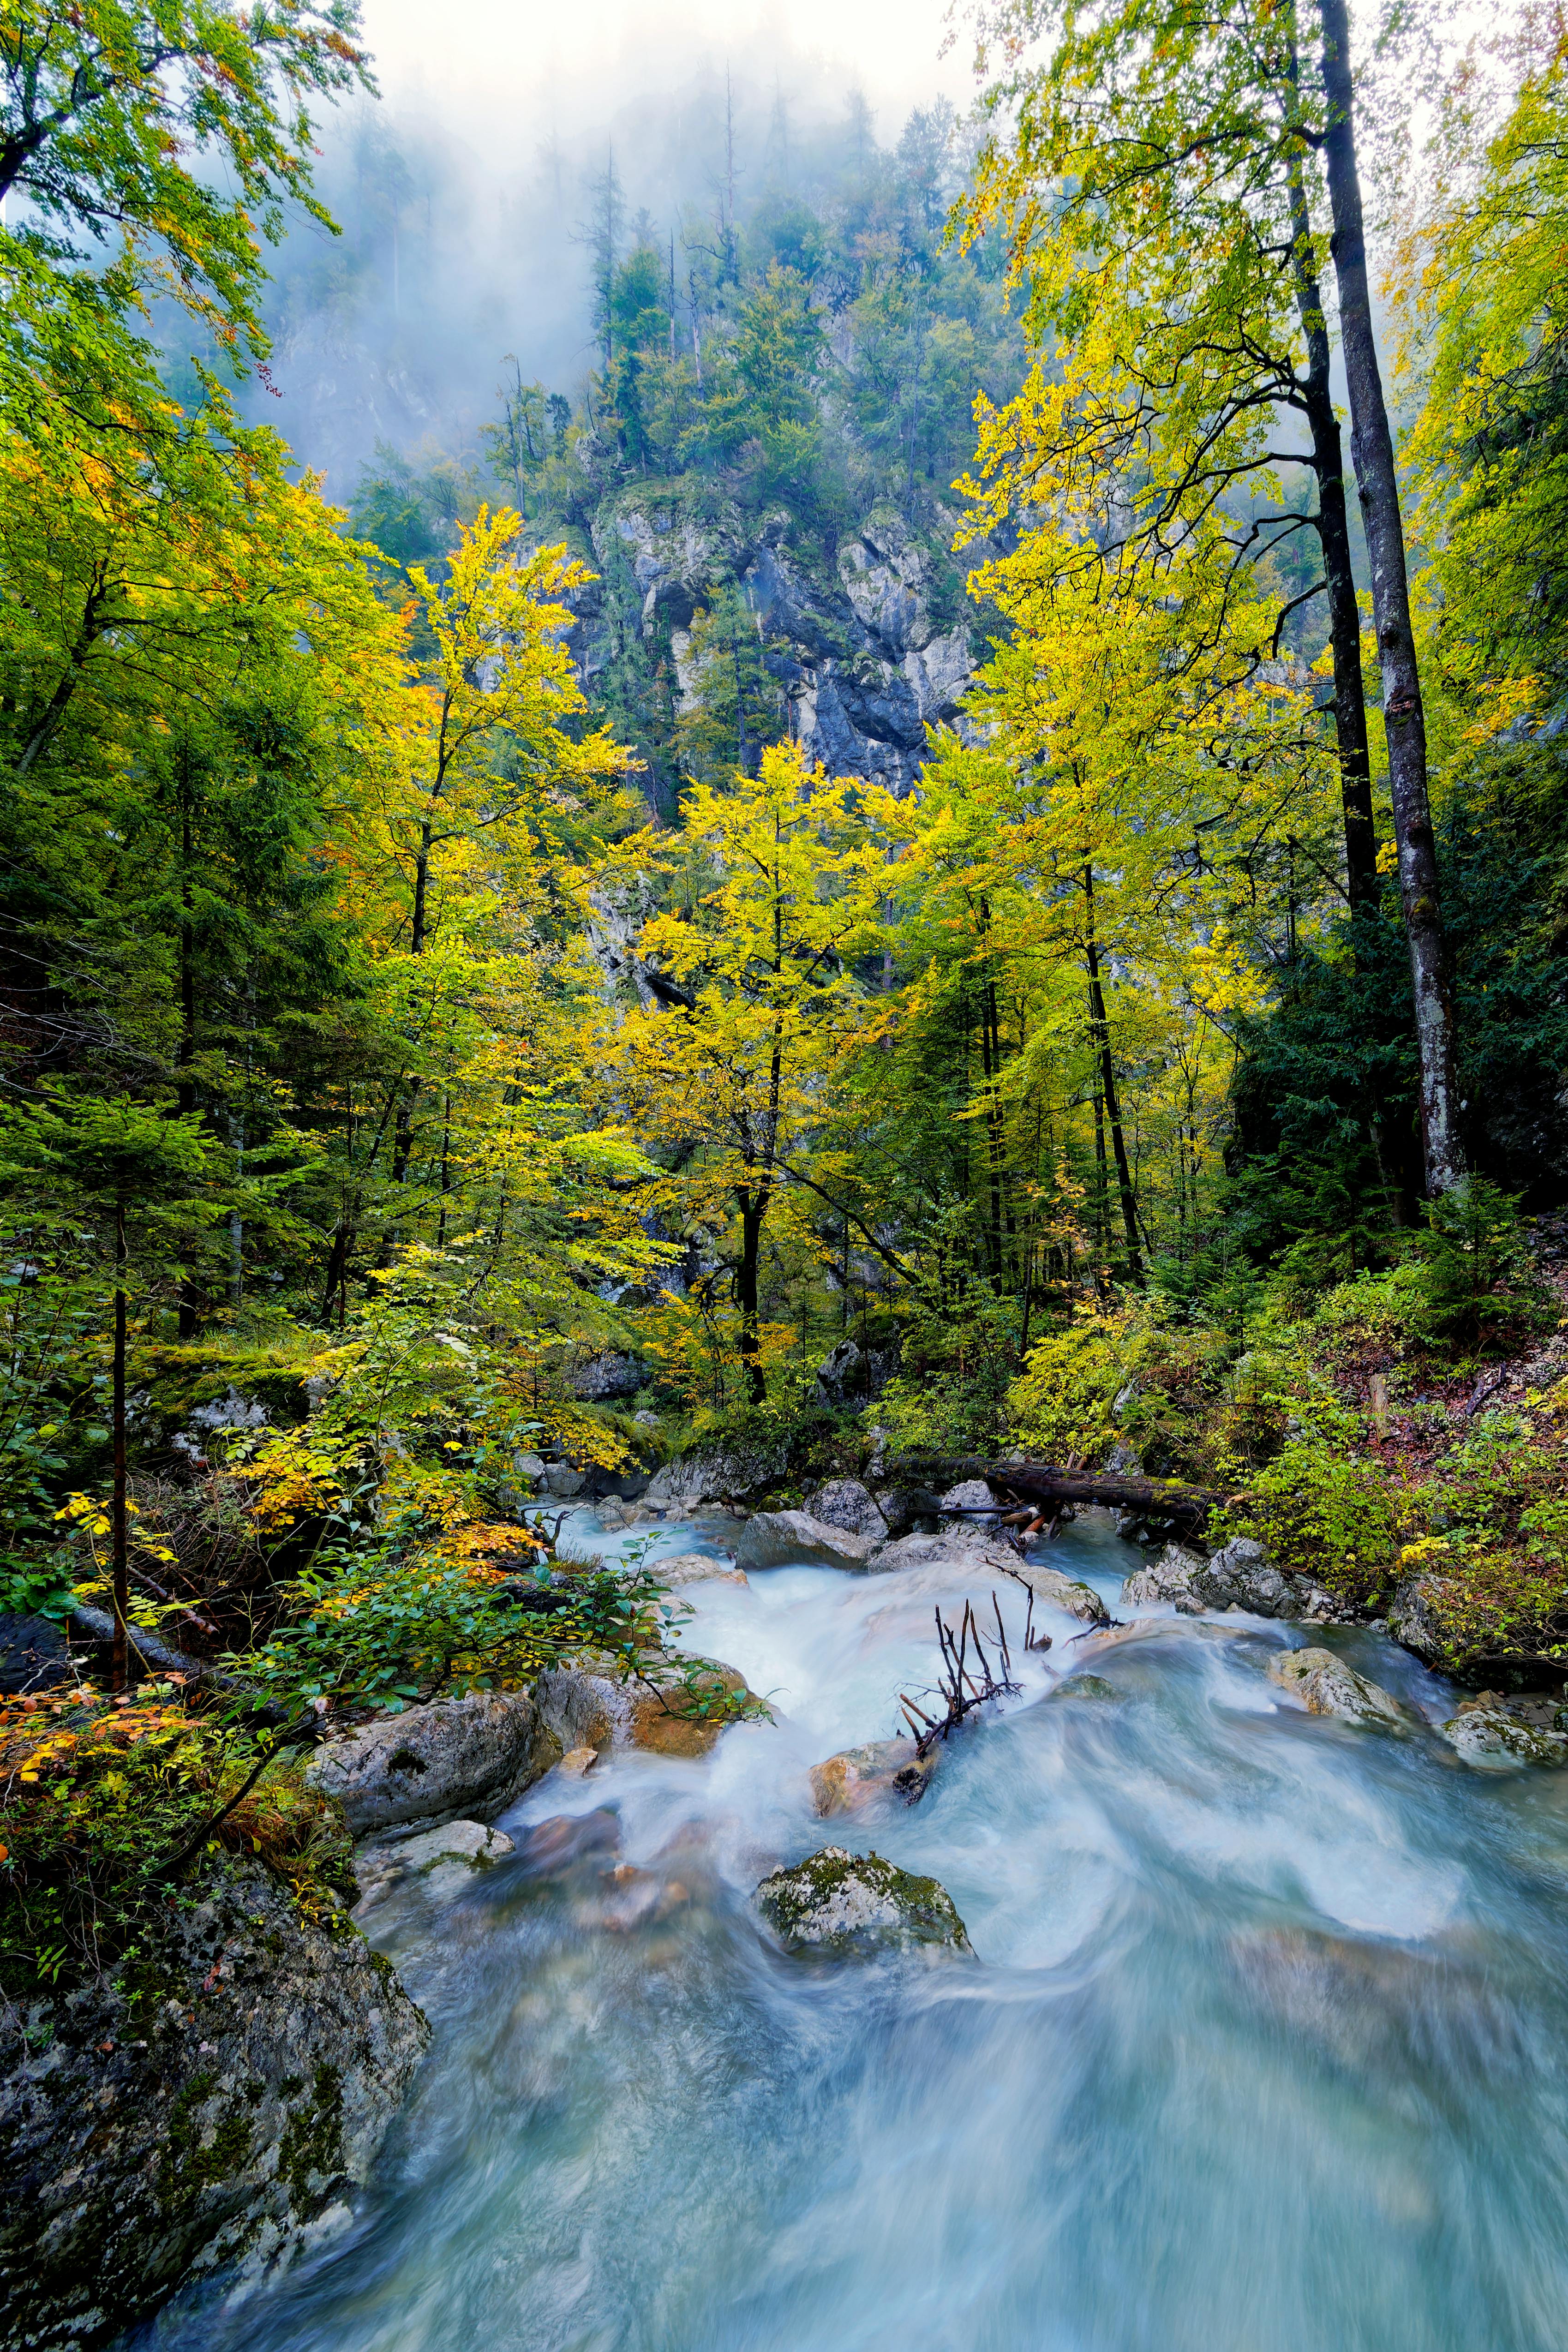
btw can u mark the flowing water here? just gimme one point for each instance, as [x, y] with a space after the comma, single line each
[1265, 2048]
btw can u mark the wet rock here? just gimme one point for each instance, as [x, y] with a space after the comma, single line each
[1172, 1579]
[1087, 1686]
[581, 1708]
[959, 1546]
[1068, 1593]
[695, 1567]
[561, 1481]
[782, 1539]
[578, 1762]
[909, 1510]
[846, 1503]
[217, 2106]
[1239, 1575]
[716, 1475]
[1488, 1737]
[670, 1718]
[861, 1776]
[1326, 1686]
[457, 1757]
[442, 1860]
[849, 1905]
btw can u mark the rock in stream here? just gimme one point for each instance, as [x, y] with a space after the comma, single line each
[852, 1906]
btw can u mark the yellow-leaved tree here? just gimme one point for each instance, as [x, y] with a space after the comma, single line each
[772, 908]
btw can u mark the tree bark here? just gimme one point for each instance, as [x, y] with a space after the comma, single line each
[1334, 538]
[1108, 1085]
[1377, 484]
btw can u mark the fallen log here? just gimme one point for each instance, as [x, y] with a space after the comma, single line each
[1159, 1500]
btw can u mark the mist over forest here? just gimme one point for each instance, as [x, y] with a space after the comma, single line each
[456, 250]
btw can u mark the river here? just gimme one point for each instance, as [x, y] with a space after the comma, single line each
[1264, 2049]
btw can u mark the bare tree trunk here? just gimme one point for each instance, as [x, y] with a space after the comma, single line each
[119, 1535]
[1108, 1085]
[1334, 538]
[1377, 483]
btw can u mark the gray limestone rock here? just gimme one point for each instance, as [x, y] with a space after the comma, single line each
[1326, 1686]
[715, 1475]
[849, 1906]
[694, 1568]
[1068, 1593]
[213, 2108]
[1490, 1738]
[846, 1503]
[1413, 1619]
[786, 1539]
[442, 1860]
[456, 1757]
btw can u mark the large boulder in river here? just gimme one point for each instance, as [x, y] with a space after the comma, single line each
[213, 2103]
[861, 1776]
[1171, 1579]
[849, 1905]
[1488, 1737]
[457, 1757]
[846, 1503]
[716, 1475]
[786, 1539]
[1326, 1686]
[680, 1710]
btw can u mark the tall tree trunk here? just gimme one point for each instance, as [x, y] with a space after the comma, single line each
[753, 1208]
[1108, 1085]
[119, 1531]
[1334, 538]
[187, 1051]
[1377, 484]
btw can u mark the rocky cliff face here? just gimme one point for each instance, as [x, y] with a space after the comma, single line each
[213, 2108]
[871, 646]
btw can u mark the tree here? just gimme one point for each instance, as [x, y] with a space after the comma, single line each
[1190, 162]
[775, 898]
[103, 105]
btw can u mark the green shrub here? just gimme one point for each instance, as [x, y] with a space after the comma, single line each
[1321, 1514]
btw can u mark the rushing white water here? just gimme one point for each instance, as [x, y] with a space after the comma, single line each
[1264, 2049]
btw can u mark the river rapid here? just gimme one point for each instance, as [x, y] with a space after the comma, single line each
[1264, 2049]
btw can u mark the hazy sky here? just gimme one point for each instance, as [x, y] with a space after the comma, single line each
[506, 65]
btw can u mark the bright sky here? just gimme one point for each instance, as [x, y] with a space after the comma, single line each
[518, 64]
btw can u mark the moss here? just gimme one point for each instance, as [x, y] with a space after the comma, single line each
[312, 2143]
[190, 2162]
[796, 1900]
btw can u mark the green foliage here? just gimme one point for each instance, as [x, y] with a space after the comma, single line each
[100, 1802]
[1322, 1514]
[1477, 1270]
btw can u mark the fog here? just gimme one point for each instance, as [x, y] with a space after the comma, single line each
[465, 191]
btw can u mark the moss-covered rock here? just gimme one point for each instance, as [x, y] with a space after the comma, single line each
[211, 2106]
[1488, 1737]
[851, 1906]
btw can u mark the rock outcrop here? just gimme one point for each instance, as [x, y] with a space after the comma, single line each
[716, 1475]
[456, 1757]
[1238, 1576]
[847, 1906]
[1415, 1622]
[215, 2106]
[861, 1776]
[1326, 1686]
